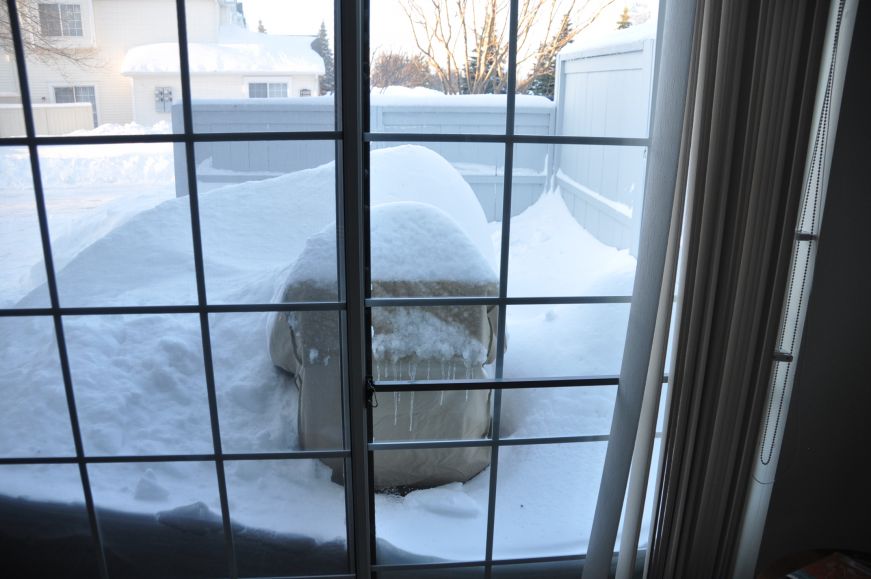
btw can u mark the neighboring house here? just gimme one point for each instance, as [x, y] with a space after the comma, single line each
[127, 57]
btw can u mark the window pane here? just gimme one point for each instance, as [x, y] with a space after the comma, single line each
[441, 415]
[546, 497]
[282, 393]
[49, 19]
[64, 94]
[567, 411]
[448, 522]
[429, 76]
[589, 63]
[112, 55]
[578, 234]
[120, 236]
[565, 340]
[71, 19]
[268, 212]
[34, 419]
[431, 237]
[257, 90]
[22, 269]
[160, 519]
[240, 60]
[288, 518]
[44, 523]
[434, 342]
[140, 384]
[278, 90]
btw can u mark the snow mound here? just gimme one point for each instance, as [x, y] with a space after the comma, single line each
[418, 242]
[140, 387]
[397, 176]
[405, 91]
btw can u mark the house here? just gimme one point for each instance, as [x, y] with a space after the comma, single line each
[124, 57]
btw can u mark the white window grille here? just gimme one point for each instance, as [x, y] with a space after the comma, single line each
[262, 90]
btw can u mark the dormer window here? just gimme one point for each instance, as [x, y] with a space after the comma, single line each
[60, 19]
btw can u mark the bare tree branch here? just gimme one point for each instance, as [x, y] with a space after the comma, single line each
[38, 44]
[466, 42]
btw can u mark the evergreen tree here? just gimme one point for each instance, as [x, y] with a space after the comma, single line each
[321, 45]
[625, 19]
[543, 75]
[491, 78]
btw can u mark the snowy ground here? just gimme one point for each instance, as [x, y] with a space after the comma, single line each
[121, 237]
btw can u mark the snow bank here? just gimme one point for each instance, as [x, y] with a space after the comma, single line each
[158, 128]
[405, 91]
[87, 165]
[463, 101]
[415, 242]
[396, 176]
[140, 387]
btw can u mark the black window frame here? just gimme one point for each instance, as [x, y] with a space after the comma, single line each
[354, 304]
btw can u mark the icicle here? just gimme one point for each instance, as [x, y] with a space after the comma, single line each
[399, 371]
[442, 399]
[412, 371]
[411, 415]
[395, 407]
[427, 369]
[378, 371]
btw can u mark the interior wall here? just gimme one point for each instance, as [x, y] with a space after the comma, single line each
[822, 494]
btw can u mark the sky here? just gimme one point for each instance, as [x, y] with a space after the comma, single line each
[389, 28]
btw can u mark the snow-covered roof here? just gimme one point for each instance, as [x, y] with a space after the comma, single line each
[241, 52]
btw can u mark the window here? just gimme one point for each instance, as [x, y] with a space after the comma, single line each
[163, 99]
[60, 19]
[168, 252]
[77, 94]
[262, 90]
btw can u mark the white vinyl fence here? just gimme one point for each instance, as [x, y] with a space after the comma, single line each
[601, 90]
[481, 164]
[604, 91]
[48, 119]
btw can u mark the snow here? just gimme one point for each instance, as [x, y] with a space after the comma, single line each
[456, 101]
[608, 41]
[124, 239]
[239, 52]
[405, 91]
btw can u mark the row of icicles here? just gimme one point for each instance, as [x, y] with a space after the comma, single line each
[388, 371]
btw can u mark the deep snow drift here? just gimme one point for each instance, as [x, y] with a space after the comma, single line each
[139, 380]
